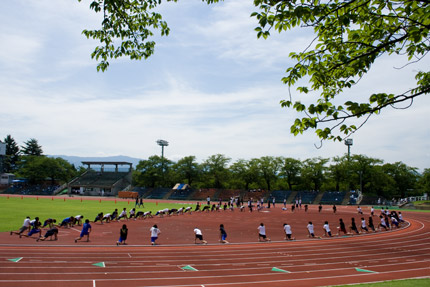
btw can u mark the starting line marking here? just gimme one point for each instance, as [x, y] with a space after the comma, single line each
[100, 264]
[16, 259]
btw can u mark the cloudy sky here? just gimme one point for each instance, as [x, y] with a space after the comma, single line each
[211, 88]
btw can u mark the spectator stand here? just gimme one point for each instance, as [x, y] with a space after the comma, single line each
[308, 197]
[102, 180]
[280, 195]
[333, 197]
[204, 193]
[25, 188]
[181, 191]
[158, 193]
[142, 191]
[355, 197]
[227, 194]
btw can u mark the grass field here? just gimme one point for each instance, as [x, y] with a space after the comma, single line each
[14, 209]
[396, 283]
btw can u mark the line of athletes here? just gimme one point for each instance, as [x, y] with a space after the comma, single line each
[388, 220]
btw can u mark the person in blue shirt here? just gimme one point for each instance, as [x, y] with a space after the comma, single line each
[67, 222]
[86, 230]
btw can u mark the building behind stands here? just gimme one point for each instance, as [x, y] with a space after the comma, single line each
[102, 178]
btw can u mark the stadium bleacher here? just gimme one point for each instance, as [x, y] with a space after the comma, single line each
[333, 197]
[158, 193]
[181, 194]
[280, 195]
[27, 189]
[307, 197]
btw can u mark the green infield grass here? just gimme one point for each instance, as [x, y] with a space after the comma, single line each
[14, 209]
[396, 283]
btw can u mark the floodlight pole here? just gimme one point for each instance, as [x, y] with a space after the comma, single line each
[348, 142]
[162, 143]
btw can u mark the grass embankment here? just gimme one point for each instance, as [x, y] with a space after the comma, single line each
[14, 209]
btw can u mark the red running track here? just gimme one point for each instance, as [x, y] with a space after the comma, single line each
[381, 256]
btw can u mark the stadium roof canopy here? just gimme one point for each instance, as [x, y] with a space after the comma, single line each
[107, 162]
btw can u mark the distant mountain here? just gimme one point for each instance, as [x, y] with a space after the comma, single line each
[77, 160]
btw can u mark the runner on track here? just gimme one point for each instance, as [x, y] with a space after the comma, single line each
[86, 230]
[262, 233]
[25, 226]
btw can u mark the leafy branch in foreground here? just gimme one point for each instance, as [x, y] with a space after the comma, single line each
[350, 37]
[126, 29]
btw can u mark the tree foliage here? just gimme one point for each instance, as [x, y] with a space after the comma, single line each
[38, 169]
[126, 29]
[290, 170]
[188, 169]
[313, 173]
[244, 173]
[215, 170]
[12, 154]
[269, 167]
[152, 172]
[424, 181]
[349, 37]
[32, 147]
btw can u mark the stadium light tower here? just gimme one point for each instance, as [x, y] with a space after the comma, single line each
[162, 143]
[348, 142]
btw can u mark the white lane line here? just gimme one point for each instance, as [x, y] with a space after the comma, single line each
[229, 276]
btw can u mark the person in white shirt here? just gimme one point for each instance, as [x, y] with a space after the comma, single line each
[401, 217]
[133, 213]
[262, 233]
[363, 225]
[394, 222]
[198, 235]
[154, 233]
[147, 214]
[106, 217]
[123, 214]
[78, 219]
[327, 231]
[288, 232]
[382, 224]
[310, 228]
[25, 226]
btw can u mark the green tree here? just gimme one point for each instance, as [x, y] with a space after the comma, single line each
[187, 168]
[405, 177]
[290, 170]
[151, 172]
[38, 169]
[269, 168]
[215, 170]
[379, 182]
[424, 181]
[12, 154]
[338, 171]
[32, 147]
[313, 173]
[362, 167]
[244, 173]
